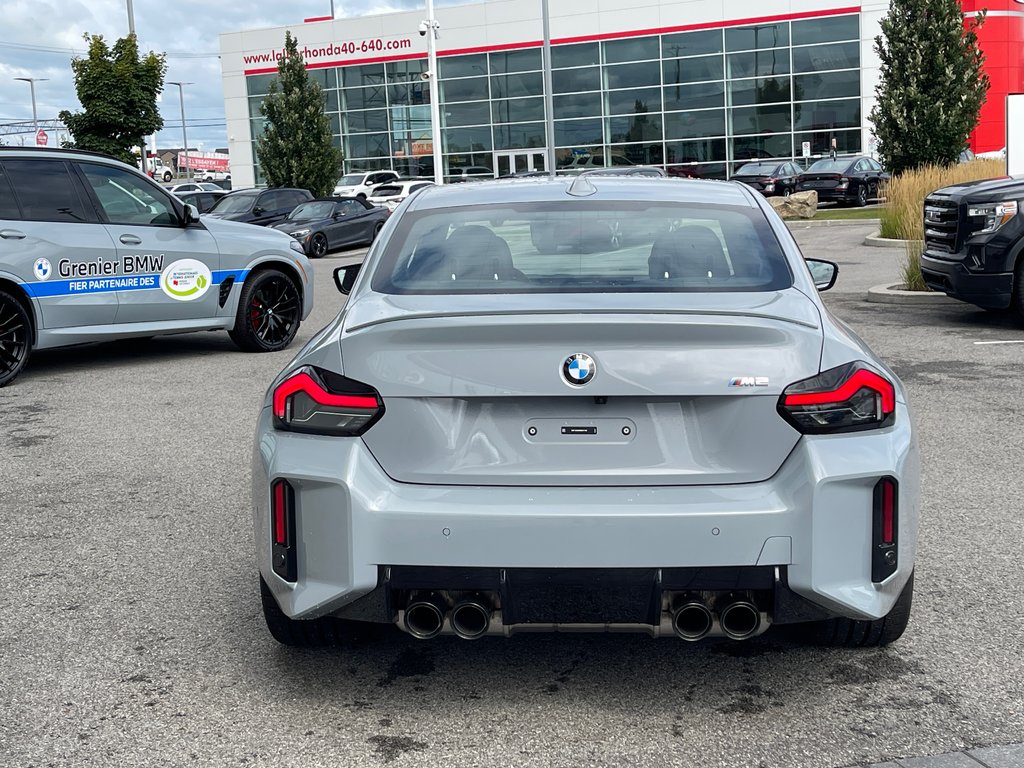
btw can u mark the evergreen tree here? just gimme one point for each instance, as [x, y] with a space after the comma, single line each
[932, 84]
[118, 91]
[296, 148]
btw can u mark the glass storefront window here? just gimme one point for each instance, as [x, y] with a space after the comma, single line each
[578, 55]
[746, 148]
[366, 74]
[517, 110]
[363, 98]
[518, 84]
[821, 58]
[633, 101]
[473, 65]
[515, 61]
[409, 93]
[335, 121]
[633, 75]
[367, 145]
[331, 100]
[365, 122]
[697, 96]
[758, 63]
[641, 127]
[698, 151]
[763, 91]
[692, 125]
[257, 85]
[572, 80]
[637, 154]
[757, 36]
[405, 71]
[469, 89]
[826, 85]
[578, 133]
[468, 113]
[828, 114]
[847, 142]
[577, 105]
[630, 49]
[693, 70]
[255, 103]
[694, 43]
[519, 135]
[826, 29]
[774, 118]
[468, 139]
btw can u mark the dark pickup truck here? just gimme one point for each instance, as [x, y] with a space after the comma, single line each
[973, 241]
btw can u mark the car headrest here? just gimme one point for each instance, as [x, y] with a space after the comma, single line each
[692, 251]
[473, 252]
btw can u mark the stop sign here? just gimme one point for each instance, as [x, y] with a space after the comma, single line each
[41, 138]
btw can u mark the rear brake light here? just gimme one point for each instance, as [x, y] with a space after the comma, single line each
[321, 403]
[848, 398]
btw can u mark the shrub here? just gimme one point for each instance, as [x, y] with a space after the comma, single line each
[902, 217]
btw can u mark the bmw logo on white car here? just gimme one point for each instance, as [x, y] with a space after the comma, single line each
[42, 269]
[579, 369]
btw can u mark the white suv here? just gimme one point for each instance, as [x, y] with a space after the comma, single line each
[359, 183]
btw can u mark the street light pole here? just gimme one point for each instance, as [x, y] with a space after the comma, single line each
[184, 133]
[131, 31]
[549, 102]
[32, 87]
[435, 106]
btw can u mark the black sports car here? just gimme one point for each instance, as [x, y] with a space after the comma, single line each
[326, 225]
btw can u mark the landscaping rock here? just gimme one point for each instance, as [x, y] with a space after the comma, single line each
[799, 205]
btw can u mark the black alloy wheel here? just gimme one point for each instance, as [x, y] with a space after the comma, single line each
[862, 195]
[15, 338]
[269, 312]
[318, 246]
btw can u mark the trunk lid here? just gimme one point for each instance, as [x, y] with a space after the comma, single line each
[684, 393]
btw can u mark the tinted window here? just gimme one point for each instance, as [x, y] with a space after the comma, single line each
[8, 205]
[633, 49]
[292, 197]
[826, 29]
[235, 204]
[46, 190]
[756, 37]
[350, 207]
[571, 80]
[127, 198]
[515, 61]
[566, 248]
[693, 70]
[580, 55]
[691, 43]
[473, 65]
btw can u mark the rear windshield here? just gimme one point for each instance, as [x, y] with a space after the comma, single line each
[757, 169]
[583, 246]
[387, 191]
[234, 204]
[829, 166]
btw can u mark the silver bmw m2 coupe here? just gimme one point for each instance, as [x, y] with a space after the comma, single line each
[594, 404]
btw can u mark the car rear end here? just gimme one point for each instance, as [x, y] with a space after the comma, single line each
[648, 438]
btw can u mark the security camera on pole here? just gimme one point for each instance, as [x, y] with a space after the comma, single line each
[430, 25]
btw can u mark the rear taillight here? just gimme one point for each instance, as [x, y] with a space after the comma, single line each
[843, 183]
[885, 530]
[844, 399]
[322, 403]
[282, 530]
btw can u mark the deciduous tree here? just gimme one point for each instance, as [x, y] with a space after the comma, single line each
[296, 148]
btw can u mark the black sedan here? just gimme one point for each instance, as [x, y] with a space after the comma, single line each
[326, 225]
[769, 178]
[846, 180]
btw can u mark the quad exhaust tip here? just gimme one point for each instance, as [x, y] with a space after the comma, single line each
[691, 619]
[424, 616]
[740, 619]
[471, 617]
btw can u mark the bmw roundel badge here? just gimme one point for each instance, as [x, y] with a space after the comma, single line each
[579, 369]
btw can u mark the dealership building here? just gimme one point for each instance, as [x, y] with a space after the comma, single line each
[696, 86]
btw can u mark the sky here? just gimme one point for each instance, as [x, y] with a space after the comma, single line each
[39, 38]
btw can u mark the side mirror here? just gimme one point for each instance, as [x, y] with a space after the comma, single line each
[345, 277]
[259, 210]
[191, 214]
[823, 273]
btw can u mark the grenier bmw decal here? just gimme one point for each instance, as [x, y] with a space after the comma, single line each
[579, 369]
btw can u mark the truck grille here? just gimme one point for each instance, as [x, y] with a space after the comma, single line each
[940, 225]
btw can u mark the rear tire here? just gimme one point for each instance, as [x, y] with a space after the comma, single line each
[15, 338]
[298, 633]
[862, 196]
[376, 231]
[269, 312]
[857, 633]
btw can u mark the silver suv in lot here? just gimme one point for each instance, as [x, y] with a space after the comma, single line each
[93, 250]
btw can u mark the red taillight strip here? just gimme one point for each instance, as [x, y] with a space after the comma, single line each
[280, 513]
[860, 379]
[888, 511]
[303, 382]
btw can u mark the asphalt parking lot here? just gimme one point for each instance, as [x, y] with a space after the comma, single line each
[132, 633]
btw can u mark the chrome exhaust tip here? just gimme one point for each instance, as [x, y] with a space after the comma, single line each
[424, 616]
[740, 619]
[471, 617]
[691, 619]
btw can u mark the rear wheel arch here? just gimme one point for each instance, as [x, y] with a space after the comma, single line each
[19, 293]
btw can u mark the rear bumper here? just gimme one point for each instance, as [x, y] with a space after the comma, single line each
[983, 289]
[813, 520]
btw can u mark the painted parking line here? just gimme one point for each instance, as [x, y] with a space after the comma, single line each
[1013, 341]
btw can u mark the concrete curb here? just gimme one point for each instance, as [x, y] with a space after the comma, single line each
[893, 294]
[833, 222]
[875, 240]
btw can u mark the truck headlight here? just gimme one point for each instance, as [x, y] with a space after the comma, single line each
[992, 215]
